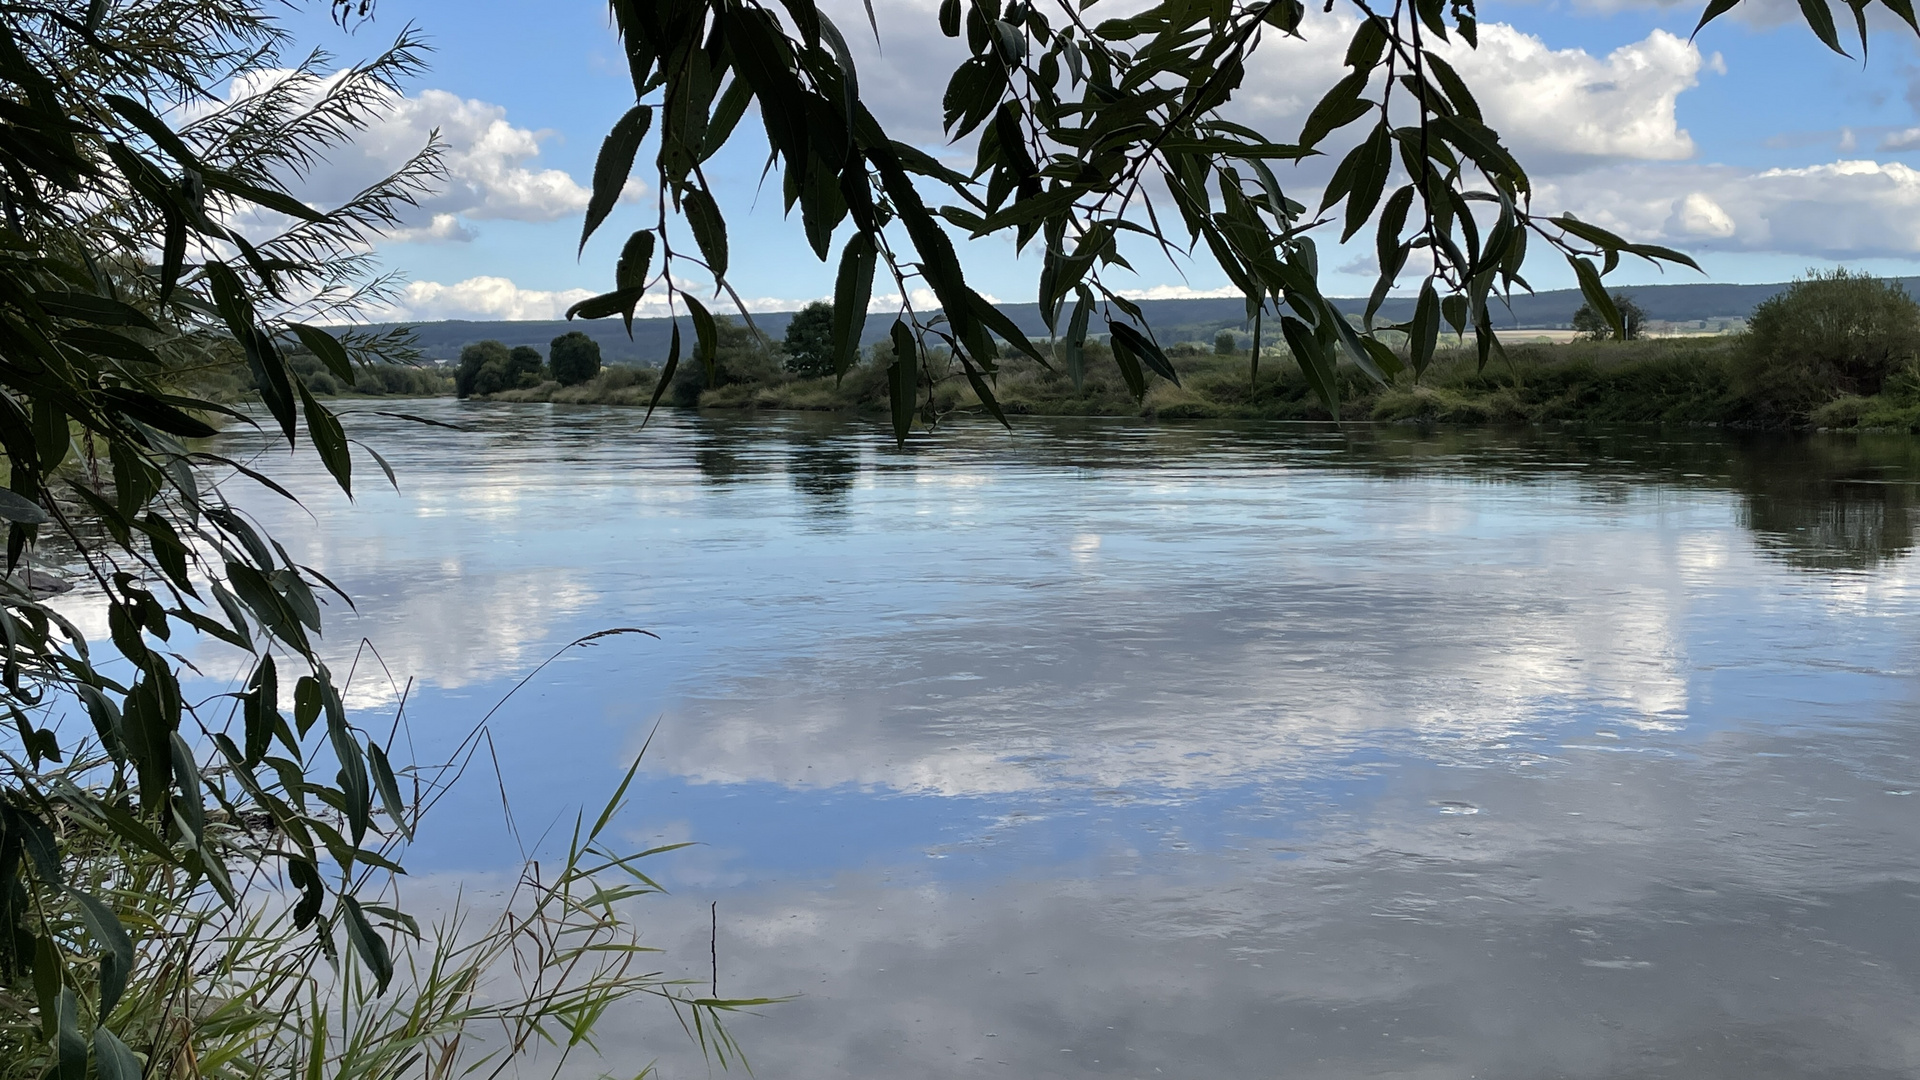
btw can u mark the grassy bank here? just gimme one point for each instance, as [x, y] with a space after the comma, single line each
[1670, 380]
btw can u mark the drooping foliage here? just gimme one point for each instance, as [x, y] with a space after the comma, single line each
[148, 243]
[1087, 132]
[148, 238]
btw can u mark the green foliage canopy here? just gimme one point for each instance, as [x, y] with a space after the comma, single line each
[574, 358]
[810, 341]
[1828, 334]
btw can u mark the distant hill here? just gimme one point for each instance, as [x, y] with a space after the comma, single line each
[1172, 320]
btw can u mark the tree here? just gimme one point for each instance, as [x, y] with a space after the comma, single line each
[483, 369]
[575, 358]
[523, 366]
[810, 341]
[1226, 343]
[1599, 327]
[1826, 335]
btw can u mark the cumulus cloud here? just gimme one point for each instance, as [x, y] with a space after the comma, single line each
[1570, 102]
[1845, 209]
[483, 298]
[492, 168]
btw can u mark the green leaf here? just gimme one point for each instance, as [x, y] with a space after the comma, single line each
[154, 411]
[13, 507]
[726, 116]
[1129, 365]
[191, 805]
[1904, 9]
[1820, 20]
[1313, 361]
[367, 942]
[972, 94]
[1369, 179]
[615, 163]
[98, 310]
[613, 303]
[709, 229]
[1143, 347]
[706, 337]
[117, 962]
[1074, 347]
[1423, 334]
[1341, 106]
[1010, 332]
[111, 1058]
[389, 788]
[327, 349]
[902, 381]
[329, 439]
[69, 1046]
[852, 289]
[983, 391]
[1596, 294]
[260, 196]
[636, 260]
[667, 371]
[1455, 86]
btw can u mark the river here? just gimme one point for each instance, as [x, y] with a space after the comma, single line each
[1184, 750]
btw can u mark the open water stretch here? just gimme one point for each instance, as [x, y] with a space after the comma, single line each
[1107, 748]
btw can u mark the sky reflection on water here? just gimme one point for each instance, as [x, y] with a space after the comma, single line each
[1191, 750]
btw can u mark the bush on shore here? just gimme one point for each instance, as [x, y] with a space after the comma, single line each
[1828, 339]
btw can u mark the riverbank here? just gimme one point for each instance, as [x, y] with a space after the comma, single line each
[1682, 380]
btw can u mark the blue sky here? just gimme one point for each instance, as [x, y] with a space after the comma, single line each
[1753, 147]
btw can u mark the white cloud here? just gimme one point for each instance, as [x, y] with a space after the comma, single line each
[1846, 209]
[484, 298]
[1569, 102]
[1181, 292]
[1697, 215]
[491, 165]
[1908, 139]
[490, 297]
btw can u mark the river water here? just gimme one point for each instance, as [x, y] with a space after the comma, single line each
[1182, 750]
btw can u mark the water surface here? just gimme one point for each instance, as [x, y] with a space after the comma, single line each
[1186, 750]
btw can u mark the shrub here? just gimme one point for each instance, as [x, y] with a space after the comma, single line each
[1226, 343]
[1827, 335]
[574, 357]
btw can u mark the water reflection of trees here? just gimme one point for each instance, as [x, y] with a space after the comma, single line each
[1819, 502]
[823, 472]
